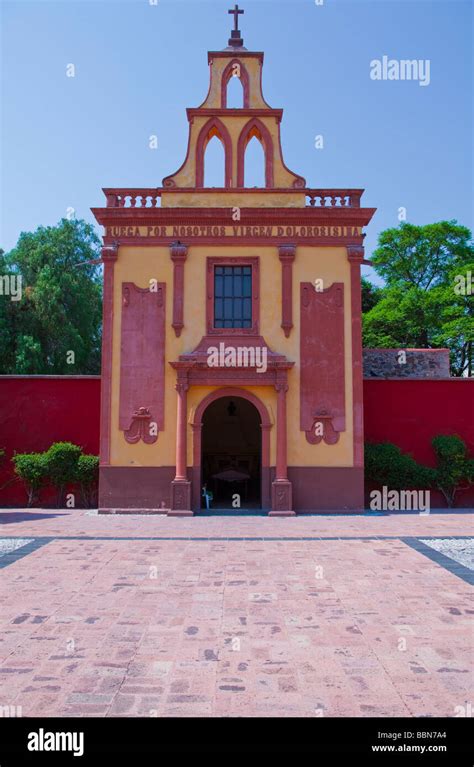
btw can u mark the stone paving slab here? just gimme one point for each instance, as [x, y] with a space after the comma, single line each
[340, 627]
[64, 522]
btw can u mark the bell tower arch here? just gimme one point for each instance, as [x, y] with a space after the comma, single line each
[235, 127]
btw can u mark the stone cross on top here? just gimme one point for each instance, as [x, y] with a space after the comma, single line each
[235, 39]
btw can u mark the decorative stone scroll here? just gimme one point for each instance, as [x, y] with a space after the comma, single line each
[142, 362]
[141, 427]
[322, 389]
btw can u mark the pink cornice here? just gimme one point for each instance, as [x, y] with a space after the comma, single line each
[225, 54]
[355, 253]
[193, 367]
[193, 112]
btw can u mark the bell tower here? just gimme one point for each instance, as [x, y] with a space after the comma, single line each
[234, 127]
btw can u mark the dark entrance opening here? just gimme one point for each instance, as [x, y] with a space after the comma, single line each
[231, 454]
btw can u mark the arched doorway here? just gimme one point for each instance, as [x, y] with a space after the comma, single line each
[231, 451]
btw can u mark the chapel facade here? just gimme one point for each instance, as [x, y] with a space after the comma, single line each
[232, 353]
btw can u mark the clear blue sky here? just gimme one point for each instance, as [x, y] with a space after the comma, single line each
[138, 66]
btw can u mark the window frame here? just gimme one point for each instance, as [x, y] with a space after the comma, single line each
[254, 262]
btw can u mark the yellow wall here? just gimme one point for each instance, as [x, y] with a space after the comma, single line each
[183, 198]
[141, 264]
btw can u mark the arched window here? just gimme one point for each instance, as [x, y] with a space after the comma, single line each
[235, 93]
[214, 164]
[254, 164]
[234, 75]
[213, 129]
[255, 128]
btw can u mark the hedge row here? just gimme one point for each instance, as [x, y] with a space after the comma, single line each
[64, 464]
[386, 465]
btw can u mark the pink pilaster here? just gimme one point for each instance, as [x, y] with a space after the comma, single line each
[109, 257]
[355, 255]
[181, 389]
[287, 254]
[181, 487]
[281, 486]
[178, 253]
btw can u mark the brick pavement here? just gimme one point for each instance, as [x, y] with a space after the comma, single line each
[357, 623]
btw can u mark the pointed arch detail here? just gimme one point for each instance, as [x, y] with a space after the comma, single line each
[255, 127]
[244, 79]
[213, 127]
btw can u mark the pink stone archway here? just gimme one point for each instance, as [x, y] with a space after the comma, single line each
[244, 79]
[257, 128]
[265, 424]
[213, 127]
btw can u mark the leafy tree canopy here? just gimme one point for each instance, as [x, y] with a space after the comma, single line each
[55, 327]
[427, 301]
[371, 294]
[422, 256]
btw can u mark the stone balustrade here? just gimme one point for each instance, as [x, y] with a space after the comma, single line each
[151, 198]
[334, 198]
[133, 198]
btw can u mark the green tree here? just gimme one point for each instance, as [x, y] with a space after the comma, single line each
[385, 464]
[422, 256]
[31, 469]
[456, 318]
[454, 466]
[87, 475]
[56, 326]
[61, 463]
[423, 304]
[371, 294]
[7, 322]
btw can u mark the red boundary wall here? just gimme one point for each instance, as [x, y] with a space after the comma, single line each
[410, 412]
[38, 410]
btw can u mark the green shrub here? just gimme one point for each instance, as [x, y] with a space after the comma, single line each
[454, 467]
[87, 475]
[385, 464]
[31, 469]
[61, 461]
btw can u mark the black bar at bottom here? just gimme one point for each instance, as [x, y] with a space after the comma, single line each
[29, 741]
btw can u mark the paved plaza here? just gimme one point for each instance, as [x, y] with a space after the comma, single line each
[323, 615]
